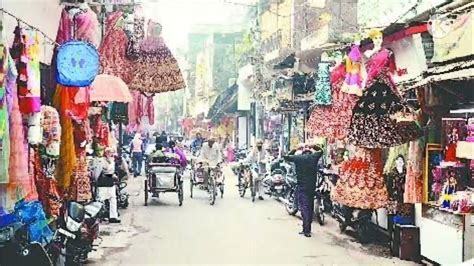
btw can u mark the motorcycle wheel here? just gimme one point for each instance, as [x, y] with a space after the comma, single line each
[318, 212]
[290, 204]
[363, 232]
[146, 192]
[242, 188]
[342, 227]
[212, 193]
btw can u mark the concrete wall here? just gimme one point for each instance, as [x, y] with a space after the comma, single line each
[43, 14]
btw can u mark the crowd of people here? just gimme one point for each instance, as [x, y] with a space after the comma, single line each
[209, 150]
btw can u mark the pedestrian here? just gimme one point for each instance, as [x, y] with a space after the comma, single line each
[306, 166]
[196, 144]
[104, 174]
[137, 149]
[162, 139]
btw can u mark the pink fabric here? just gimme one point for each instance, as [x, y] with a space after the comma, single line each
[87, 28]
[376, 67]
[140, 106]
[112, 51]
[21, 184]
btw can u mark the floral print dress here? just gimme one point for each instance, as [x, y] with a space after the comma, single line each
[332, 121]
[372, 124]
[361, 183]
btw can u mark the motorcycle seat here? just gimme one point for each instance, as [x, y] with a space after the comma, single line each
[93, 208]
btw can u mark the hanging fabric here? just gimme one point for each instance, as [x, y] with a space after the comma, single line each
[25, 52]
[332, 121]
[4, 121]
[21, 184]
[322, 95]
[157, 70]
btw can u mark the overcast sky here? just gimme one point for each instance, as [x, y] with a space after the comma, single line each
[178, 16]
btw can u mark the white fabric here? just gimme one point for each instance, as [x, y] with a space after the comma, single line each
[102, 165]
[213, 155]
[108, 193]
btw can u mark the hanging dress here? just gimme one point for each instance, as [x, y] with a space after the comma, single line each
[322, 94]
[21, 184]
[156, 70]
[332, 121]
[113, 60]
[361, 183]
[372, 124]
[414, 180]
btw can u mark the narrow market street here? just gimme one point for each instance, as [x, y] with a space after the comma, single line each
[233, 231]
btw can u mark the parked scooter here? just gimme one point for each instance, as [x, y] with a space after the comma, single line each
[274, 184]
[16, 248]
[76, 229]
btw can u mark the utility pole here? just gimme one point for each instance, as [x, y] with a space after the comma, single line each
[258, 66]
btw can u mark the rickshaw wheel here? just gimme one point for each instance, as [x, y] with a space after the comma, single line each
[146, 192]
[180, 194]
[191, 185]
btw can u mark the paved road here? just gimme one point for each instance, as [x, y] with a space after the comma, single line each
[234, 231]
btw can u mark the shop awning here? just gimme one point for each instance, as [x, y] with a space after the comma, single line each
[225, 103]
[459, 69]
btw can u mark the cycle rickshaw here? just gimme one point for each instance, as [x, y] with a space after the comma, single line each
[215, 180]
[163, 177]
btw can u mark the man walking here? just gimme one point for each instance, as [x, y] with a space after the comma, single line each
[306, 166]
[138, 149]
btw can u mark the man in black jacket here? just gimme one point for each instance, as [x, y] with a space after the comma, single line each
[306, 166]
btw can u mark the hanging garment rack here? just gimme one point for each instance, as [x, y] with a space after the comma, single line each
[21, 21]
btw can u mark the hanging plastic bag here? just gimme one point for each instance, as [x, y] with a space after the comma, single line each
[77, 64]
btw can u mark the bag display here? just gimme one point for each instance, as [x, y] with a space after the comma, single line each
[77, 64]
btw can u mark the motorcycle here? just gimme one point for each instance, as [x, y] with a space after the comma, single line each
[241, 154]
[122, 195]
[322, 196]
[16, 248]
[76, 230]
[290, 201]
[274, 184]
[358, 219]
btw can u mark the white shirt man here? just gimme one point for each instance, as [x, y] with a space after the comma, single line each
[211, 153]
[104, 174]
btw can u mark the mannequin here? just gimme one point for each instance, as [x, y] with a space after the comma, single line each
[372, 125]
[396, 186]
[377, 39]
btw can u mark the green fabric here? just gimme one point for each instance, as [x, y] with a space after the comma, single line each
[392, 156]
[4, 138]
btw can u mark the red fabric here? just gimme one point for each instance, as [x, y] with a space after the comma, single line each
[405, 32]
[113, 60]
[332, 121]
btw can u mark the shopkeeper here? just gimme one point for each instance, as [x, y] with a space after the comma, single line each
[104, 174]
